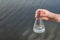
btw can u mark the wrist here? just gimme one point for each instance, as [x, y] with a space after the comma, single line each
[57, 16]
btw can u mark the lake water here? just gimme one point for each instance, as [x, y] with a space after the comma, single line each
[17, 19]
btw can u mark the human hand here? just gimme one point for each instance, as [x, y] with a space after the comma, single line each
[47, 15]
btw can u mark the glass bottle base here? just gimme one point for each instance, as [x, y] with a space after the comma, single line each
[39, 31]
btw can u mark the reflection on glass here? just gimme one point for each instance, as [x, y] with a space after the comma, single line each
[39, 26]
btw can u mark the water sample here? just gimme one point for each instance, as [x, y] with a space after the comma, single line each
[39, 26]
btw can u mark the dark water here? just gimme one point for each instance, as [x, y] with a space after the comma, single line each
[17, 19]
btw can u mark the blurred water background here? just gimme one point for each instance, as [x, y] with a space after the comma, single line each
[17, 19]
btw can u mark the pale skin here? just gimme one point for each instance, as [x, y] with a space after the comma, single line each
[47, 15]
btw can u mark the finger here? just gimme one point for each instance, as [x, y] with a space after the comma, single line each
[43, 13]
[40, 12]
[37, 13]
[45, 18]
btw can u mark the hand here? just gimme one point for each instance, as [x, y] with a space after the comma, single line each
[47, 15]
